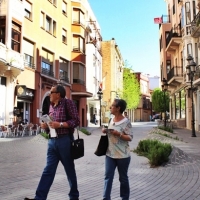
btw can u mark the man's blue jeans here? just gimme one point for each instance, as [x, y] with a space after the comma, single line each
[58, 150]
[122, 166]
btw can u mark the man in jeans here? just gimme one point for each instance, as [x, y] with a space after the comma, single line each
[65, 118]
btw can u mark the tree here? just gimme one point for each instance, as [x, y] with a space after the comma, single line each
[160, 104]
[131, 89]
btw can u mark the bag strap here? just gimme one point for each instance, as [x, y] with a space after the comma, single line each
[71, 130]
[78, 131]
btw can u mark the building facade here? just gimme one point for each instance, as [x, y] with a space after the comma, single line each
[94, 64]
[42, 43]
[179, 37]
[112, 75]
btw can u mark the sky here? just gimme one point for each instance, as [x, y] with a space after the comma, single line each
[131, 23]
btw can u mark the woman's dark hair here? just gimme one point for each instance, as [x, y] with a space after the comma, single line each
[60, 89]
[121, 103]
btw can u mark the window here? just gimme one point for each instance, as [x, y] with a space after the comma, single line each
[54, 28]
[78, 43]
[2, 29]
[78, 16]
[78, 73]
[47, 63]
[28, 10]
[42, 19]
[64, 8]
[168, 63]
[48, 24]
[189, 49]
[16, 37]
[64, 68]
[28, 48]
[64, 36]
[187, 12]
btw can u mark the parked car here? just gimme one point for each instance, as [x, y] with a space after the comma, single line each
[156, 116]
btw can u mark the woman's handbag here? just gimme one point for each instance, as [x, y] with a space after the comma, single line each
[77, 147]
[102, 146]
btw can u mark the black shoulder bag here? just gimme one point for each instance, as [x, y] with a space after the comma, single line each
[77, 145]
[103, 145]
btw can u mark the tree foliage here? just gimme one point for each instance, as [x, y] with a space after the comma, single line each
[160, 100]
[131, 89]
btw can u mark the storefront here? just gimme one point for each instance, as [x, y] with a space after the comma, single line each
[23, 110]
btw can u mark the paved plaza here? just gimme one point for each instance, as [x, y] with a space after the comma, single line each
[22, 161]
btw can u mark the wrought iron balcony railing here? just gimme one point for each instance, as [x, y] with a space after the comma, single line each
[47, 72]
[175, 32]
[28, 61]
[175, 72]
[79, 81]
[195, 24]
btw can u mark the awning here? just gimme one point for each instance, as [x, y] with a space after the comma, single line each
[82, 94]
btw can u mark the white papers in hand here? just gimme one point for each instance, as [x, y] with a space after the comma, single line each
[47, 119]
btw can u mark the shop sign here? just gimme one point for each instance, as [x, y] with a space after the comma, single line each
[24, 92]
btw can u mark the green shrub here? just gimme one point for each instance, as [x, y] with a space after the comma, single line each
[157, 152]
[45, 135]
[85, 131]
[168, 129]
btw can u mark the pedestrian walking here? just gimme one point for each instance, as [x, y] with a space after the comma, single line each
[65, 118]
[95, 119]
[126, 115]
[118, 154]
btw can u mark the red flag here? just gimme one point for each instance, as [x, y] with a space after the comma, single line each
[158, 20]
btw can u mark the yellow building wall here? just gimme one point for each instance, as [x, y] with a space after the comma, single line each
[41, 37]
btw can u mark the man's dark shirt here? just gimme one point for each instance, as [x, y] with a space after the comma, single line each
[58, 113]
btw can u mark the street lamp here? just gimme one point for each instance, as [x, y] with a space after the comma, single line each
[190, 69]
[164, 89]
[100, 95]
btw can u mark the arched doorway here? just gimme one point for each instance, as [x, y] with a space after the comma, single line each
[45, 106]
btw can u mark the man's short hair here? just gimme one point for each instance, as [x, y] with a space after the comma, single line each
[60, 89]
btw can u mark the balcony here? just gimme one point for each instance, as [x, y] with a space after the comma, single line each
[78, 49]
[64, 78]
[175, 75]
[79, 81]
[195, 26]
[28, 61]
[11, 62]
[174, 39]
[48, 72]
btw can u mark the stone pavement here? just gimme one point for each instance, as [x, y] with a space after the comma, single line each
[23, 159]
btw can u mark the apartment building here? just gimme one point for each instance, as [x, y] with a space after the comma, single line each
[42, 43]
[112, 75]
[93, 63]
[11, 57]
[144, 109]
[179, 37]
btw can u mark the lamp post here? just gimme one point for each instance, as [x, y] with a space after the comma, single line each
[100, 95]
[190, 69]
[164, 89]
